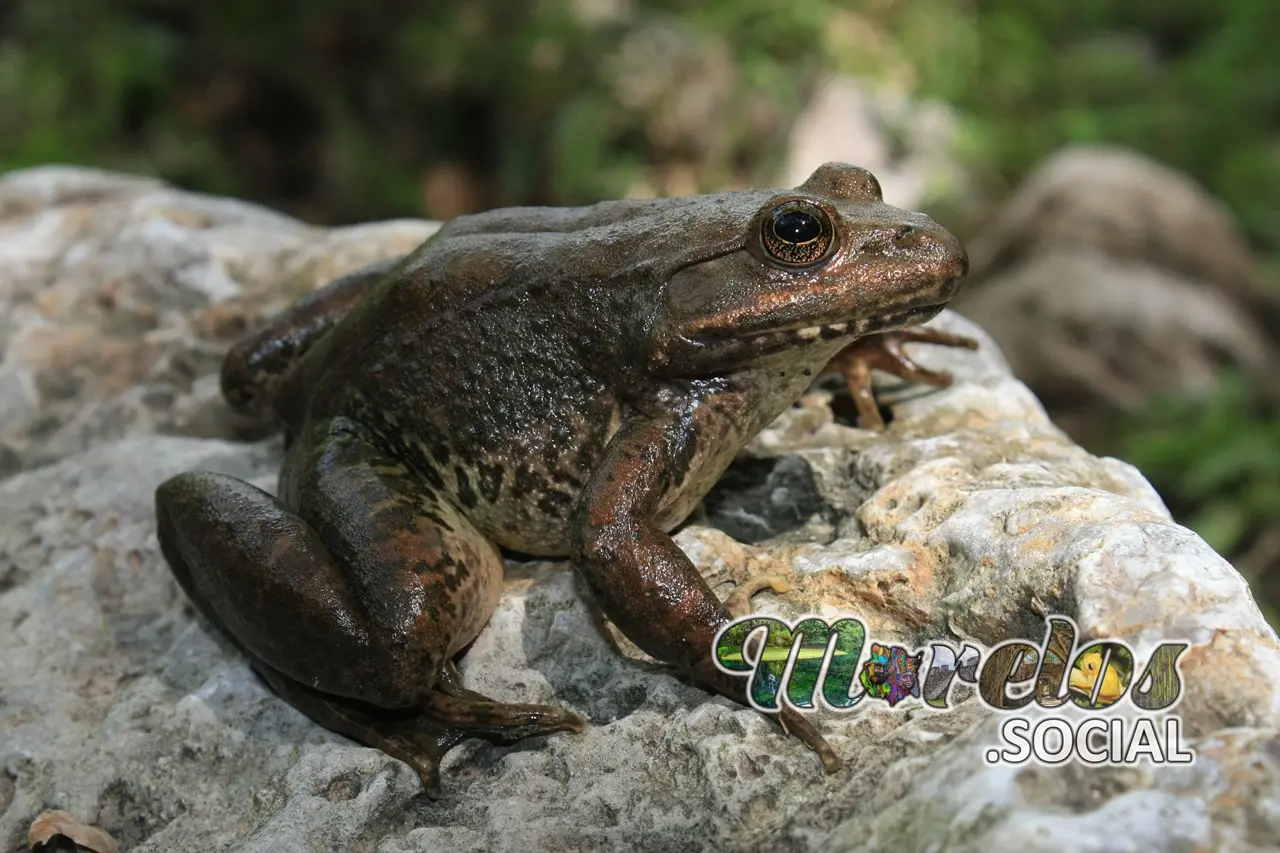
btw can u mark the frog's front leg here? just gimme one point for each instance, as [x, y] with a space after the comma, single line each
[350, 595]
[641, 579]
[885, 352]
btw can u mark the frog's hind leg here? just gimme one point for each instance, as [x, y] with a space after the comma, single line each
[351, 605]
[421, 736]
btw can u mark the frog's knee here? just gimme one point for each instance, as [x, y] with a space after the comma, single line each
[247, 383]
[194, 496]
[178, 498]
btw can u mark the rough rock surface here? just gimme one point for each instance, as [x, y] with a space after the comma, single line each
[968, 520]
[120, 297]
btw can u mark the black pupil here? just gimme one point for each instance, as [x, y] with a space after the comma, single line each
[796, 226]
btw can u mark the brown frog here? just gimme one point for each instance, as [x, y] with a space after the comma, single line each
[557, 382]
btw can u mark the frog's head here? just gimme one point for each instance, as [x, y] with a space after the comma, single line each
[812, 269]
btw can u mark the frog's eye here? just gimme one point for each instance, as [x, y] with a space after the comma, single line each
[797, 234]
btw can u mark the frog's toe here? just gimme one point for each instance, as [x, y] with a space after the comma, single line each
[927, 335]
[885, 352]
[422, 738]
[739, 601]
[795, 723]
[479, 716]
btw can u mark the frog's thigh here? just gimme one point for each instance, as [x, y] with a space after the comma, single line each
[262, 576]
[426, 580]
[370, 611]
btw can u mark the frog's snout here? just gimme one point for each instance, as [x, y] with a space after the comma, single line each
[959, 271]
[908, 237]
[939, 254]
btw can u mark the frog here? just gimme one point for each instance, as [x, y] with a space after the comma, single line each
[553, 382]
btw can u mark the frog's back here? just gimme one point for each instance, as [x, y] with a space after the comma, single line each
[497, 359]
[482, 383]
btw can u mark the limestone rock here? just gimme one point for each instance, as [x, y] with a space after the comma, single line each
[121, 296]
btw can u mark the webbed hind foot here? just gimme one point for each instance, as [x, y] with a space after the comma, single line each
[422, 736]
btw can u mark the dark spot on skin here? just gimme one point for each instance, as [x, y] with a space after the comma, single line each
[567, 477]
[490, 481]
[439, 452]
[526, 481]
[436, 520]
[556, 503]
[453, 580]
[452, 572]
[807, 372]
[432, 476]
[448, 607]
[411, 454]
[465, 493]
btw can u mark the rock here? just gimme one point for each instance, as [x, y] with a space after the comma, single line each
[967, 521]
[1108, 278]
[1129, 207]
[121, 296]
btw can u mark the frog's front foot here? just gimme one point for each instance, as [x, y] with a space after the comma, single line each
[739, 601]
[885, 352]
[739, 605]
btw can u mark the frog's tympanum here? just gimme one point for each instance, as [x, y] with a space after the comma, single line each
[564, 382]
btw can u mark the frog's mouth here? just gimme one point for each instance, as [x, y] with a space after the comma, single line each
[805, 319]
[850, 328]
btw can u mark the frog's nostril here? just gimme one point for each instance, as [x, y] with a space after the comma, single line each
[907, 237]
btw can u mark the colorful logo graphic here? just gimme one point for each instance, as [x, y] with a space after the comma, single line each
[798, 662]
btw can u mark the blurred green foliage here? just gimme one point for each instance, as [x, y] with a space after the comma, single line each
[340, 111]
[1192, 83]
[333, 109]
[1225, 478]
